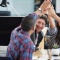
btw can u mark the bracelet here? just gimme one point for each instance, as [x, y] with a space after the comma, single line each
[40, 9]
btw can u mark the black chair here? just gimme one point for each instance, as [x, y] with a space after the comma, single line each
[5, 58]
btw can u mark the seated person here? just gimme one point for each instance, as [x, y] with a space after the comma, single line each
[37, 36]
[21, 46]
[54, 30]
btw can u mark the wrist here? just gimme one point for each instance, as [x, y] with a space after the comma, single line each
[40, 10]
[54, 15]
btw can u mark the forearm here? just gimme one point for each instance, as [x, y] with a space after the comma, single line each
[52, 22]
[38, 12]
[57, 18]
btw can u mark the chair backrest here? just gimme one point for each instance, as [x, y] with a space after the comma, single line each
[5, 58]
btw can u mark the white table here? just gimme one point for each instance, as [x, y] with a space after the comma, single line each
[3, 50]
[38, 56]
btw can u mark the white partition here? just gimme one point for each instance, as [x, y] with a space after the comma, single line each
[22, 7]
[57, 6]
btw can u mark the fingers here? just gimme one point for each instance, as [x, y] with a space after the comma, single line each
[46, 5]
[48, 0]
[51, 11]
[51, 8]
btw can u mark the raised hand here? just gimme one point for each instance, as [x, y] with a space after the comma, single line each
[45, 4]
[51, 11]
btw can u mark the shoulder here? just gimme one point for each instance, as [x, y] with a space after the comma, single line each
[16, 29]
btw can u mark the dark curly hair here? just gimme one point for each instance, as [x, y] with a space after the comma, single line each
[44, 17]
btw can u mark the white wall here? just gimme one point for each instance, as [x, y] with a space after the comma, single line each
[57, 6]
[23, 7]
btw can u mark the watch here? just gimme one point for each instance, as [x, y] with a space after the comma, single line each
[40, 9]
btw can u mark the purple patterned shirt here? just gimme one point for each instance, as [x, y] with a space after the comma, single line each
[21, 46]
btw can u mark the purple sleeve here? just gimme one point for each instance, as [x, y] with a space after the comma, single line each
[34, 15]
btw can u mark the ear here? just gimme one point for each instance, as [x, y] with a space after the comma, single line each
[33, 28]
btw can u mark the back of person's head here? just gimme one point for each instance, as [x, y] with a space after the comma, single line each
[28, 22]
[44, 17]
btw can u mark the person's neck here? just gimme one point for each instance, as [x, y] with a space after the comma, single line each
[30, 32]
[37, 32]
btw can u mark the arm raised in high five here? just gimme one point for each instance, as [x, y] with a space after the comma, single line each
[52, 22]
[52, 13]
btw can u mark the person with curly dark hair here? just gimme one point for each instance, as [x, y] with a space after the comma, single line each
[54, 28]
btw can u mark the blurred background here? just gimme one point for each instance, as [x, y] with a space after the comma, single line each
[23, 8]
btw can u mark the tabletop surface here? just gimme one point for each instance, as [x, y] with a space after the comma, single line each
[44, 55]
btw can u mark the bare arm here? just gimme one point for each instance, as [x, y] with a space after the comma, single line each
[52, 13]
[57, 18]
[52, 22]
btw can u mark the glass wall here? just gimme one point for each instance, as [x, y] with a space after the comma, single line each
[22, 7]
[19, 7]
